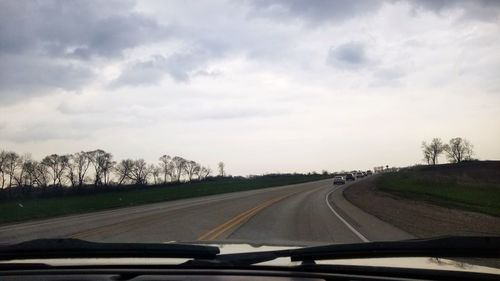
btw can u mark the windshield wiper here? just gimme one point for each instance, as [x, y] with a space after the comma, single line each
[75, 248]
[442, 247]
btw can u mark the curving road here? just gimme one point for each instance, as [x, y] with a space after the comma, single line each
[300, 214]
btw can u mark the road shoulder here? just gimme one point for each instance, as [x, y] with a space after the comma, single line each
[419, 218]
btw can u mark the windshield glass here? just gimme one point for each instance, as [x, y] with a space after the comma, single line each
[278, 123]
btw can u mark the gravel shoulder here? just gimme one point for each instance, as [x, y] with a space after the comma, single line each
[419, 218]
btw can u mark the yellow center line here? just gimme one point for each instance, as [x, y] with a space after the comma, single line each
[240, 219]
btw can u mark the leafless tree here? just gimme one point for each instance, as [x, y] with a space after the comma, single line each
[71, 173]
[166, 167]
[103, 164]
[221, 169]
[139, 172]
[155, 171]
[30, 167]
[459, 149]
[41, 174]
[20, 173]
[56, 165]
[432, 150]
[178, 164]
[11, 164]
[123, 170]
[3, 161]
[204, 173]
[191, 168]
[81, 161]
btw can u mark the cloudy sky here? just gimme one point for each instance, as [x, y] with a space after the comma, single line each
[265, 86]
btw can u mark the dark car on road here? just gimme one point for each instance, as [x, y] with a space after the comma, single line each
[350, 177]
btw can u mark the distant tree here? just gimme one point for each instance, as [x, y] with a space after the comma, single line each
[20, 172]
[102, 162]
[166, 167]
[140, 172]
[459, 149]
[221, 169]
[41, 174]
[3, 161]
[71, 173]
[178, 164]
[123, 170]
[324, 172]
[81, 161]
[191, 168]
[11, 165]
[433, 150]
[30, 167]
[204, 173]
[56, 164]
[155, 171]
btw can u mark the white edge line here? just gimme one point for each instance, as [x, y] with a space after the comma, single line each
[361, 236]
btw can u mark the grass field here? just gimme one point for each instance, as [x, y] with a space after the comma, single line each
[471, 186]
[36, 208]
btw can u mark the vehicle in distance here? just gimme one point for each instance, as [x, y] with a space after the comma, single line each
[350, 177]
[338, 180]
[369, 172]
[359, 175]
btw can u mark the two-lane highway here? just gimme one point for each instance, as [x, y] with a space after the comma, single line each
[303, 214]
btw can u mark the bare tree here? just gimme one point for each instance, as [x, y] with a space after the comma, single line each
[30, 167]
[11, 164]
[56, 165]
[166, 167]
[178, 164]
[41, 174]
[20, 172]
[432, 150]
[155, 171]
[71, 173]
[459, 149]
[3, 162]
[221, 169]
[204, 173]
[103, 164]
[191, 168]
[139, 172]
[81, 161]
[123, 170]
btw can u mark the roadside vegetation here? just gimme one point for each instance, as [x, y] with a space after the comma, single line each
[64, 201]
[469, 185]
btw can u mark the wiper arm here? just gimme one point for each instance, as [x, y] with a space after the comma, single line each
[75, 248]
[453, 246]
[444, 247]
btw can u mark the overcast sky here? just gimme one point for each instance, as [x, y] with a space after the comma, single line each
[265, 86]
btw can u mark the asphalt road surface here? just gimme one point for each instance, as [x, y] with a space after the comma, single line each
[301, 214]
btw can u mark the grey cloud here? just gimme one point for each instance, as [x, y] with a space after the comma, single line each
[351, 55]
[80, 29]
[484, 10]
[48, 45]
[180, 66]
[313, 11]
[22, 76]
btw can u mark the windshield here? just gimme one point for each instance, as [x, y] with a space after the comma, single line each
[278, 123]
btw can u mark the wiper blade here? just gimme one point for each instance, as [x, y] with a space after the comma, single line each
[444, 247]
[75, 248]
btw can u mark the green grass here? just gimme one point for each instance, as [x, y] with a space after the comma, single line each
[37, 208]
[446, 190]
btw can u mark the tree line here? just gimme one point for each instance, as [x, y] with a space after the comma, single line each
[457, 150]
[96, 168]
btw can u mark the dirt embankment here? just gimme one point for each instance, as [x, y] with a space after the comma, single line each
[416, 217]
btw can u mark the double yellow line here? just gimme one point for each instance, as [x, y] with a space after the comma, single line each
[239, 219]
